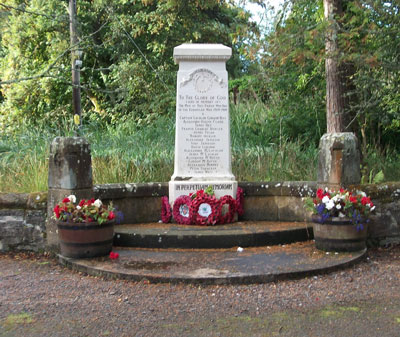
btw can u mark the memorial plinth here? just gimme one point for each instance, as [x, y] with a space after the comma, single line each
[202, 139]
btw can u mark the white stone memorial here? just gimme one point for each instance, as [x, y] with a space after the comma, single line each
[202, 139]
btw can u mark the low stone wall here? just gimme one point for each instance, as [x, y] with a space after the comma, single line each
[23, 216]
[23, 222]
[273, 201]
[384, 227]
[139, 203]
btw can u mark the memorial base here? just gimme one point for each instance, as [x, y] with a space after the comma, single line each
[178, 188]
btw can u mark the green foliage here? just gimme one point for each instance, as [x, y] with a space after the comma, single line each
[127, 56]
[293, 63]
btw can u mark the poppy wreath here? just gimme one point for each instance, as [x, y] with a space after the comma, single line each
[181, 204]
[165, 210]
[239, 201]
[229, 216]
[205, 210]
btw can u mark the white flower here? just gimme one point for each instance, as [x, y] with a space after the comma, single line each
[335, 198]
[341, 215]
[98, 203]
[325, 199]
[338, 206]
[372, 208]
[362, 193]
[78, 207]
[329, 205]
[72, 198]
[240, 249]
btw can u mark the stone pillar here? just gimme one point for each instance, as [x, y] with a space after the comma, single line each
[202, 138]
[70, 172]
[339, 161]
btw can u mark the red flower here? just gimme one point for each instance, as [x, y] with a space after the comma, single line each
[66, 200]
[57, 211]
[353, 199]
[320, 193]
[114, 256]
[90, 202]
[82, 202]
[111, 215]
[342, 191]
[365, 200]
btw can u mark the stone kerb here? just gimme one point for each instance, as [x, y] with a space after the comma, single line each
[202, 138]
[70, 172]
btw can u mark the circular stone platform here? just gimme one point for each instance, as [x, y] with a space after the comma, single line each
[244, 234]
[215, 266]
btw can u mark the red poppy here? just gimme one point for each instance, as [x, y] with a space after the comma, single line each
[239, 201]
[212, 218]
[181, 210]
[66, 200]
[114, 256]
[165, 210]
[229, 216]
[82, 202]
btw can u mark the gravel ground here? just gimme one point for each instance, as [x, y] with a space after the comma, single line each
[40, 298]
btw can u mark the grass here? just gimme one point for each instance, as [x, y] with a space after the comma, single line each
[128, 153]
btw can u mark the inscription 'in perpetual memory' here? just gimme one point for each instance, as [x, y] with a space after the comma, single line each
[202, 120]
[196, 187]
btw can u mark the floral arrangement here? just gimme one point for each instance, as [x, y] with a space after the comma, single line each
[202, 208]
[85, 211]
[343, 204]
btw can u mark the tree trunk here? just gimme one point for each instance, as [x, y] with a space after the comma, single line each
[335, 101]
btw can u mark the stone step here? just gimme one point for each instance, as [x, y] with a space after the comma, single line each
[243, 234]
[215, 266]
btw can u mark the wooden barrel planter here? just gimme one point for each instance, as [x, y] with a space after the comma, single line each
[85, 239]
[338, 235]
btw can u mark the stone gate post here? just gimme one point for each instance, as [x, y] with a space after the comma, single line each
[70, 172]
